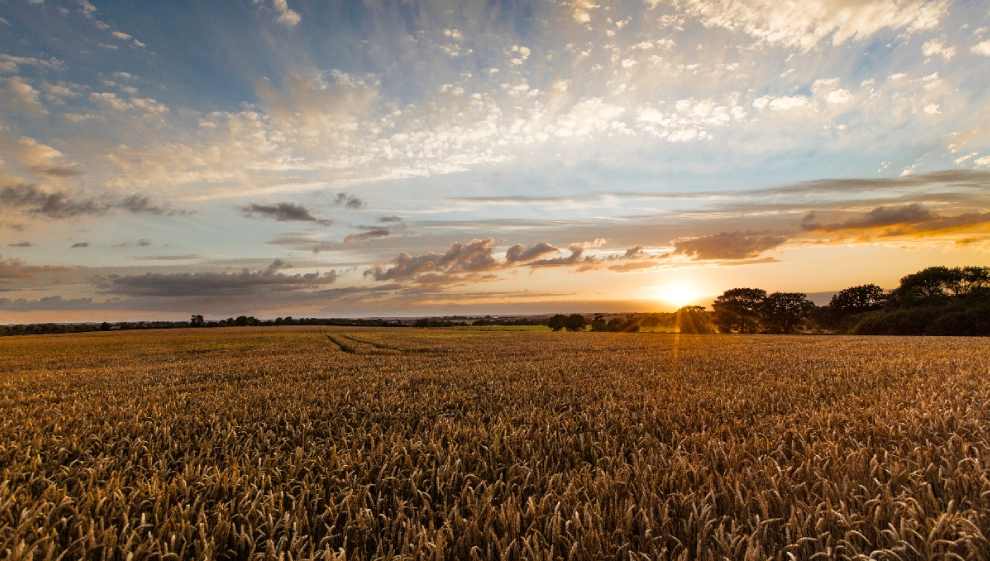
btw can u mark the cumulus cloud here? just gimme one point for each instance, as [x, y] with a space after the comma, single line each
[282, 212]
[937, 47]
[577, 251]
[25, 95]
[210, 284]
[519, 253]
[906, 220]
[727, 245]
[634, 253]
[981, 48]
[471, 257]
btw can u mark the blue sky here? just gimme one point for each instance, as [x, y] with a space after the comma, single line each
[408, 158]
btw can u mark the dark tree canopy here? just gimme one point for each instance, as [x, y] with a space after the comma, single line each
[575, 322]
[858, 299]
[739, 310]
[935, 284]
[557, 322]
[784, 312]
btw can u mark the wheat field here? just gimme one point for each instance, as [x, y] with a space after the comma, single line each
[315, 443]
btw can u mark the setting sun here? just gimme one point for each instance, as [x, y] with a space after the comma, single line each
[678, 294]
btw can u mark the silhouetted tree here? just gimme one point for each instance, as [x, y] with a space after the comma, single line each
[847, 304]
[937, 285]
[739, 309]
[599, 323]
[197, 321]
[557, 322]
[575, 322]
[784, 312]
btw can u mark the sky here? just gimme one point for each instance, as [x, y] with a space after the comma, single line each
[375, 158]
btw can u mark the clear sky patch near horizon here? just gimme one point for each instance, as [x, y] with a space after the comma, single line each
[339, 158]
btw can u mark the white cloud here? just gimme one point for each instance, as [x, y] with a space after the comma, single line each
[11, 64]
[984, 161]
[25, 94]
[933, 109]
[121, 35]
[805, 24]
[785, 103]
[962, 160]
[110, 100]
[839, 96]
[982, 48]
[937, 47]
[283, 14]
[580, 10]
[519, 54]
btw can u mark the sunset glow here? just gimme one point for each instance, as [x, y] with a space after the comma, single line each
[678, 295]
[316, 158]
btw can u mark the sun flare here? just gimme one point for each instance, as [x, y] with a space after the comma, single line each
[678, 294]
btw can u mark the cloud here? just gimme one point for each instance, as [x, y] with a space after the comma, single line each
[577, 251]
[282, 212]
[80, 244]
[981, 48]
[937, 47]
[634, 253]
[726, 245]
[11, 64]
[634, 266]
[387, 219]
[210, 284]
[11, 269]
[803, 25]
[47, 303]
[370, 234]
[283, 14]
[188, 257]
[518, 253]
[21, 244]
[906, 220]
[25, 94]
[348, 201]
[474, 256]
[36, 200]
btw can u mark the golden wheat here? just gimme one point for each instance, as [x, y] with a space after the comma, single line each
[299, 443]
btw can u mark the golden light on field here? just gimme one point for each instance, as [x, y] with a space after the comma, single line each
[678, 294]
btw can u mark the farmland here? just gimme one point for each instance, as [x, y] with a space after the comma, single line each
[312, 442]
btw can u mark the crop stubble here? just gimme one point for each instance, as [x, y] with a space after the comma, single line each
[326, 443]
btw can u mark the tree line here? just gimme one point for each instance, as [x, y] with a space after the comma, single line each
[933, 301]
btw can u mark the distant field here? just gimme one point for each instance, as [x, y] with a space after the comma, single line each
[460, 444]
